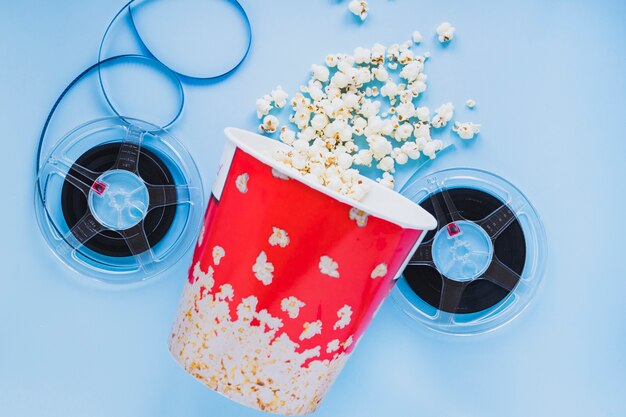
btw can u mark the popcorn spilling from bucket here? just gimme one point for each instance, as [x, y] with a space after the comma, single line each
[359, 110]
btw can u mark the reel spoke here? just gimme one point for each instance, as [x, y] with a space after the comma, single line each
[501, 275]
[128, 156]
[451, 293]
[86, 228]
[168, 195]
[137, 241]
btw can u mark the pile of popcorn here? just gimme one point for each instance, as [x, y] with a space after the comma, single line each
[341, 123]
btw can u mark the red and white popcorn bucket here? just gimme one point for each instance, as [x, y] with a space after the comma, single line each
[286, 276]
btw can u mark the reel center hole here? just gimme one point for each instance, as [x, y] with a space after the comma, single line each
[120, 201]
[465, 255]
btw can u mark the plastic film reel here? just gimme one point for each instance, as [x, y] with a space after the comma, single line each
[481, 267]
[118, 202]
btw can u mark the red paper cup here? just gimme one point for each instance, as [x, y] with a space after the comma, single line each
[286, 276]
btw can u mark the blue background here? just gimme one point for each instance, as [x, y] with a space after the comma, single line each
[548, 77]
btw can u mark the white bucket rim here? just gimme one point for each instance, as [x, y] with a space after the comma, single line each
[380, 201]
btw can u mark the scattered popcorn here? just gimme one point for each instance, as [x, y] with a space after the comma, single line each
[320, 72]
[387, 180]
[263, 106]
[358, 8]
[432, 147]
[466, 130]
[443, 115]
[380, 271]
[362, 56]
[344, 314]
[342, 124]
[445, 32]
[263, 270]
[328, 267]
[218, 253]
[470, 103]
[359, 216]
[291, 306]
[241, 182]
[279, 238]
[269, 125]
[287, 135]
[311, 329]
[280, 97]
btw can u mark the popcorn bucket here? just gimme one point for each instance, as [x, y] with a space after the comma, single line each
[285, 278]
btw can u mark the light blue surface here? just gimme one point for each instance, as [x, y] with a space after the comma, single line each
[548, 77]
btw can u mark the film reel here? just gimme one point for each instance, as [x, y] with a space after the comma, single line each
[481, 266]
[118, 202]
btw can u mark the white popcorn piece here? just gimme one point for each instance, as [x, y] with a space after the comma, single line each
[386, 164]
[241, 182]
[443, 115]
[378, 54]
[362, 56]
[423, 114]
[379, 146]
[359, 216]
[432, 147]
[380, 271]
[358, 8]
[466, 130]
[399, 156]
[445, 32]
[411, 71]
[470, 103]
[218, 253]
[287, 135]
[344, 314]
[311, 329]
[263, 270]
[291, 305]
[279, 96]
[320, 72]
[390, 90]
[332, 346]
[269, 125]
[387, 180]
[380, 74]
[331, 61]
[411, 149]
[328, 266]
[263, 106]
[417, 37]
[279, 237]
[363, 157]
